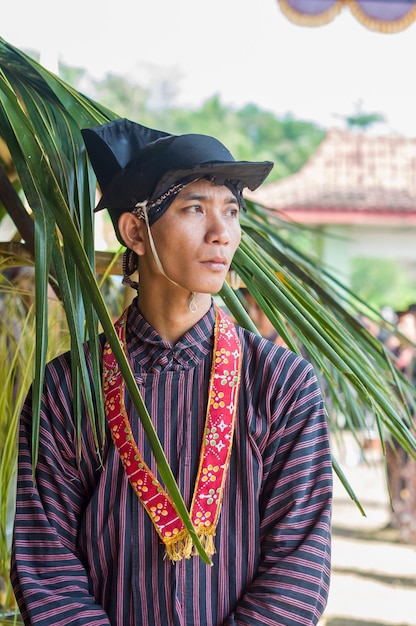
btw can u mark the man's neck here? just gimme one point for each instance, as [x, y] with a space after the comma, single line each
[171, 317]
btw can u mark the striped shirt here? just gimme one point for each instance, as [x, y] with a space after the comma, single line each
[85, 551]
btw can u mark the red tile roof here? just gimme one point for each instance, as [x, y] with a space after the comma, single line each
[351, 178]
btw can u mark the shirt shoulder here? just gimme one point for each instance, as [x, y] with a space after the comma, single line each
[274, 376]
[260, 351]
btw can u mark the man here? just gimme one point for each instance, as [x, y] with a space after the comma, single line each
[240, 419]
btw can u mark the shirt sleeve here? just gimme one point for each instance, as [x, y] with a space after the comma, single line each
[292, 580]
[49, 581]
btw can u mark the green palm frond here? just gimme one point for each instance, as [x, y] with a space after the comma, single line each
[317, 317]
[40, 121]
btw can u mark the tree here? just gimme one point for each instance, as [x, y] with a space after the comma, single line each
[40, 121]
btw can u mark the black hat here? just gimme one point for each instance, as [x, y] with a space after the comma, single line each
[134, 163]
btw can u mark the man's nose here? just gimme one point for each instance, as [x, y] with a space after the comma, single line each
[217, 230]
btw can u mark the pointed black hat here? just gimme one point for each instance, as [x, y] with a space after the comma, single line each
[134, 163]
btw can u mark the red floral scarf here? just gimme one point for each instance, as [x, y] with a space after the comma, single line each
[215, 449]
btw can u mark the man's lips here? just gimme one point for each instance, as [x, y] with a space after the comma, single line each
[216, 263]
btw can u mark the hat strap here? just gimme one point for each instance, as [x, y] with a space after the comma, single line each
[142, 214]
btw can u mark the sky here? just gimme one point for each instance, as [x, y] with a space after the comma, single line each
[246, 51]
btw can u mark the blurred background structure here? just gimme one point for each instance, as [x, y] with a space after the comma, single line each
[358, 193]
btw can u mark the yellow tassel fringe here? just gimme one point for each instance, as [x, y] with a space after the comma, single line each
[181, 546]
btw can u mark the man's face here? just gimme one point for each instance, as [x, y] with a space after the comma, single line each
[198, 235]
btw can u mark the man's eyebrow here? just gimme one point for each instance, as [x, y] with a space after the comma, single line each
[193, 195]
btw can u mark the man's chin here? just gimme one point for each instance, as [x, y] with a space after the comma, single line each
[212, 288]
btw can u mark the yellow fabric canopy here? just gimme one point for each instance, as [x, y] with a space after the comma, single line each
[385, 16]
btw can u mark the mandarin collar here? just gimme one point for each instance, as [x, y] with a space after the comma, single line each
[151, 353]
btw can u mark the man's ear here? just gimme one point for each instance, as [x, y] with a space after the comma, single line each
[132, 230]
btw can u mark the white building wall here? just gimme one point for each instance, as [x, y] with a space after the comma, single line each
[387, 243]
[342, 243]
